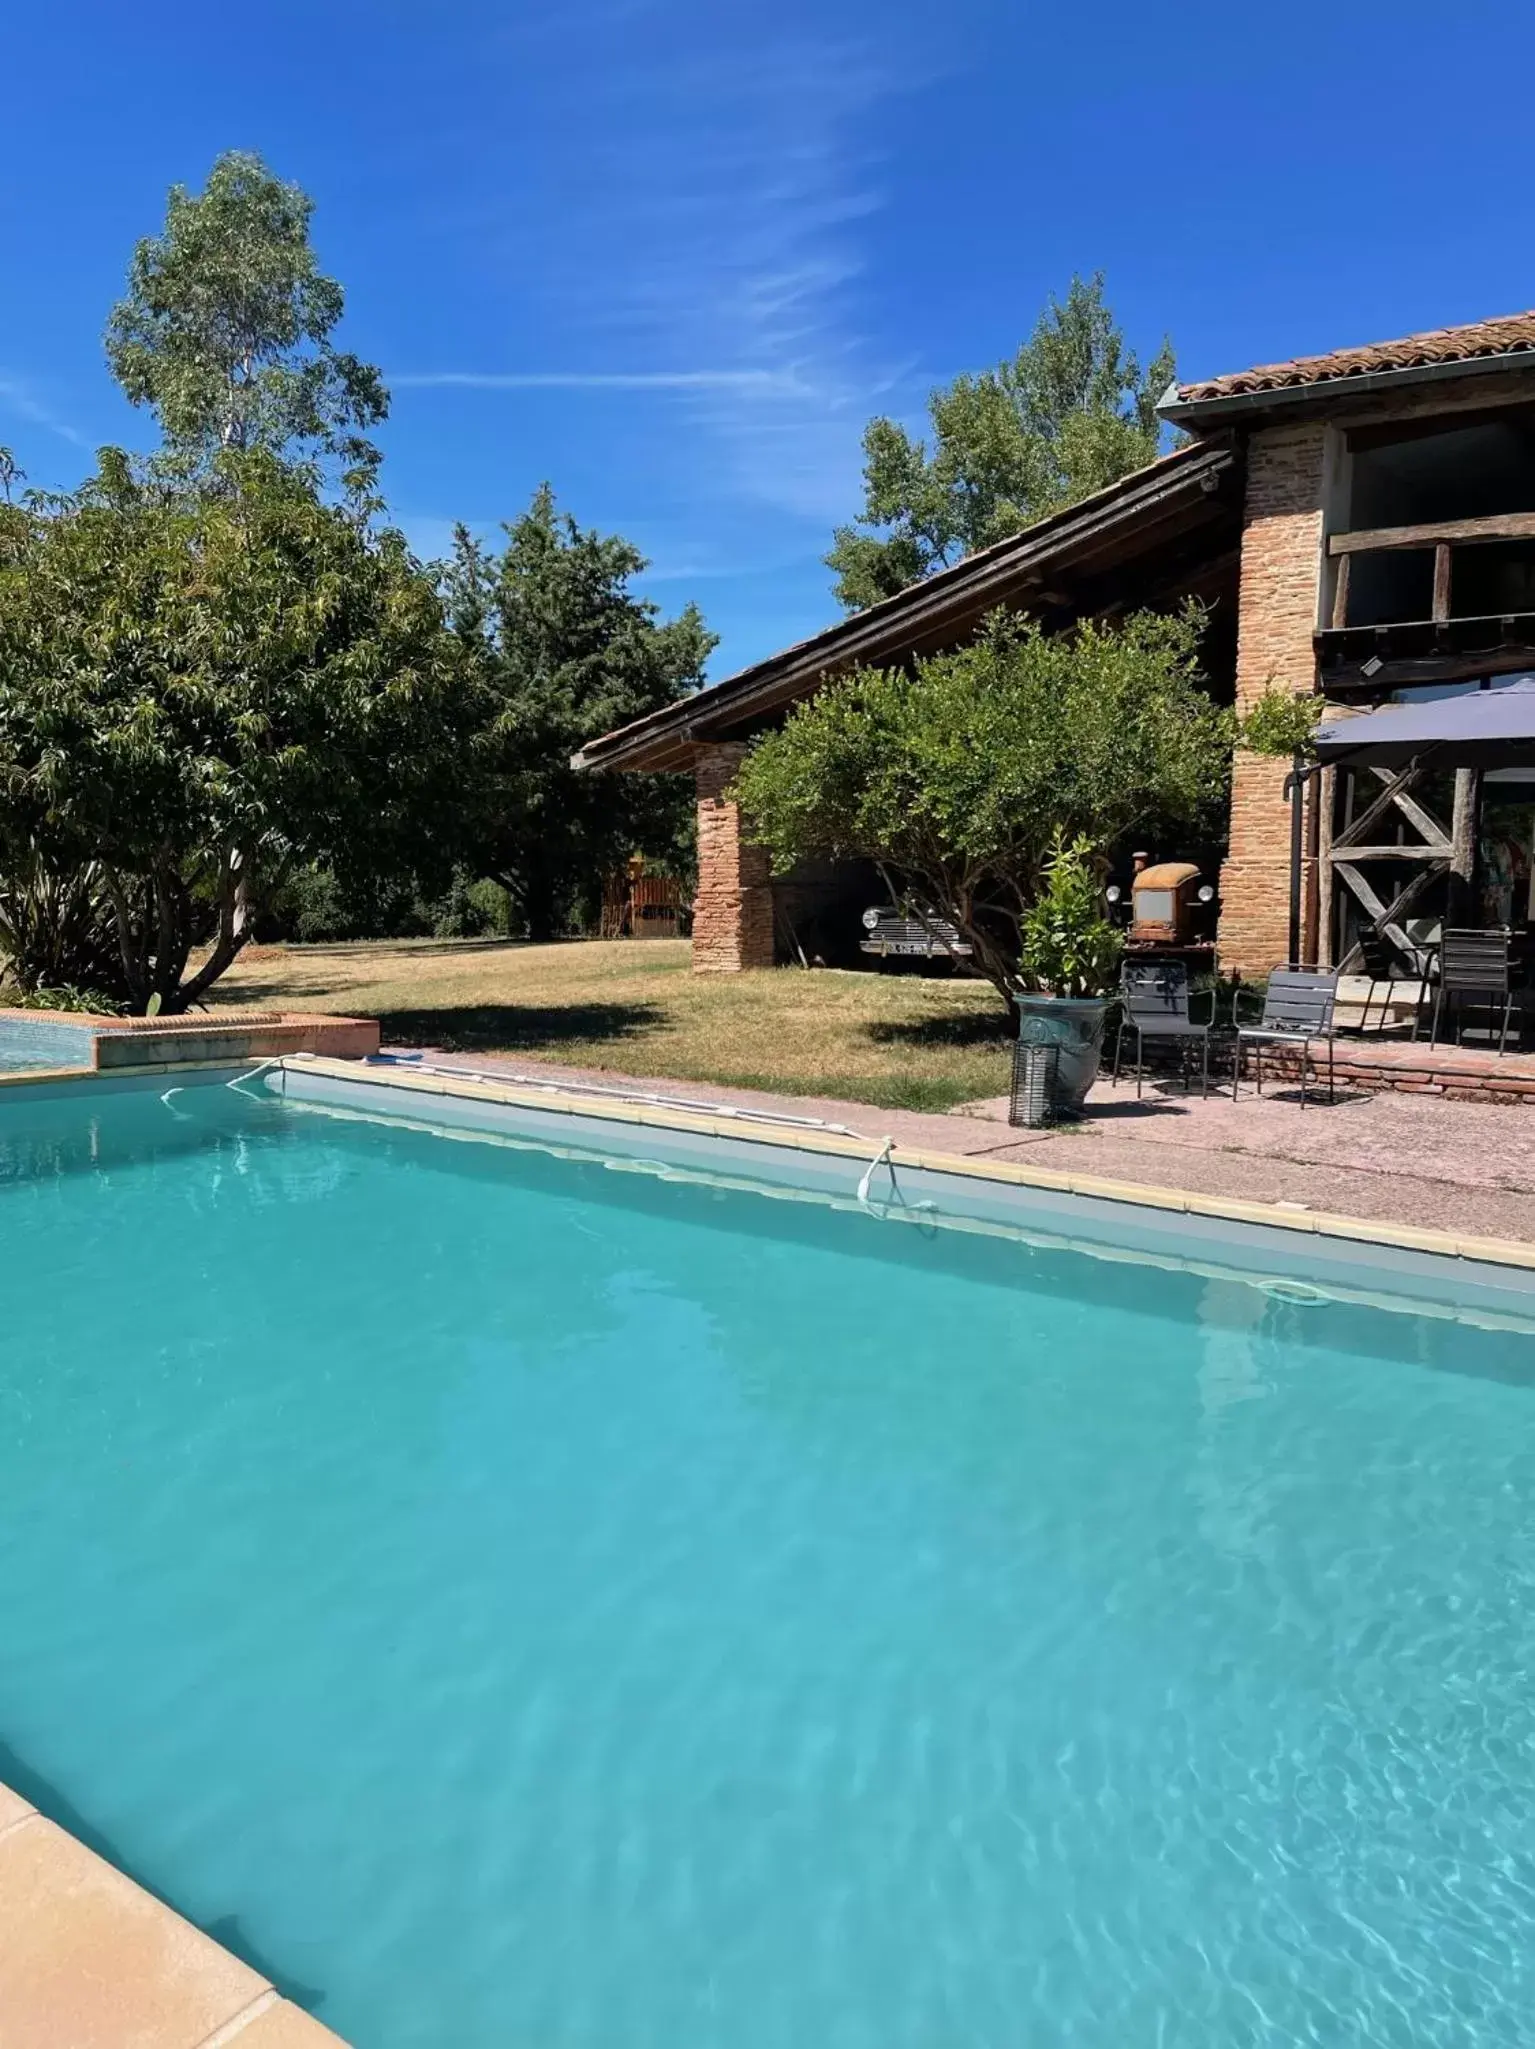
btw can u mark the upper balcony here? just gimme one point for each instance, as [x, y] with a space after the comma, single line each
[1430, 569]
[1429, 603]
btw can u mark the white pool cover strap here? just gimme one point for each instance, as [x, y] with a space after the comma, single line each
[557, 1085]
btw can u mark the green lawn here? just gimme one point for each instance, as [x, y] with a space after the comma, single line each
[635, 1007]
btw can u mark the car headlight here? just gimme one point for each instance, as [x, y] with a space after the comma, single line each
[870, 920]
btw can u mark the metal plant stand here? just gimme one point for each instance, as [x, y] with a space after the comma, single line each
[1036, 1072]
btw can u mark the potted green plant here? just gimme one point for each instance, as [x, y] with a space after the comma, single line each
[1070, 966]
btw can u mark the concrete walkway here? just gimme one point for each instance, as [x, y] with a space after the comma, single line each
[1464, 1167]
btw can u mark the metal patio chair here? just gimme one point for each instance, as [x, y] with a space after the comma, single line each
[1378, 959]
[1478, 967]
[1154, 1004]
[1298, 1007]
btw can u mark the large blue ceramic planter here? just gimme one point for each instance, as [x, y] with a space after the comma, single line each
[1074, 1025]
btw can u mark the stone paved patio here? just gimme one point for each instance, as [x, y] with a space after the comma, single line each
[1407, 1159]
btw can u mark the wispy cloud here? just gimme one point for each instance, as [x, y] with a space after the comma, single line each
[745, 231]
[763, 383]
[716, 177]
[19, 398]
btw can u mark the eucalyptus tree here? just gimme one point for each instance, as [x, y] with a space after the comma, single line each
[1071, 412]
[225, 333]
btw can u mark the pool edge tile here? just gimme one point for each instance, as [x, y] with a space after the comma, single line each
[1008, 1172]
[273, 2024]
[1233, 1209]
[13, 1810]
[1097, 1187]
[1498, 1251]
[1402, 1237]
[92, 1960]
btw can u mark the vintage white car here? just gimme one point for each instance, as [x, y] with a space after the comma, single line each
[889, 935]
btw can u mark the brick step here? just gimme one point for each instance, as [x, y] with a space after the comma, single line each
[1459, 1073]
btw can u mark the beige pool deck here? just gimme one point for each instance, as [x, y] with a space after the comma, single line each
[89, 1960]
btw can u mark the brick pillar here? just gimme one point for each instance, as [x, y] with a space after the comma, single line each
[1276, 618]
[733, 910]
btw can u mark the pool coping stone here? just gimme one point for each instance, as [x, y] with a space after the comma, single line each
[92, 1960]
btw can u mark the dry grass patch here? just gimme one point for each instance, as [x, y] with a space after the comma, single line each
[635, 1007]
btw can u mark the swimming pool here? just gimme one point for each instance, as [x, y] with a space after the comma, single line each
[31, 1042]
[516, 1602]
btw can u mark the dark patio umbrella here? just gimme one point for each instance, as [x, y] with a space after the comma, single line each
[1479, 729]
[1485, 728]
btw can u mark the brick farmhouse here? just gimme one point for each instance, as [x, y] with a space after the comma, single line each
[1360, 523]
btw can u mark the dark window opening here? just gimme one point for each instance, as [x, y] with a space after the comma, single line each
[1428, 476]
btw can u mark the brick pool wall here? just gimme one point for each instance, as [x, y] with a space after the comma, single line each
[46, 1042]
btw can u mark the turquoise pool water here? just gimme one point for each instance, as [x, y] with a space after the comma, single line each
[515, 1603]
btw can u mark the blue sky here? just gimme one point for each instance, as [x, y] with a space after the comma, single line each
[671, 255]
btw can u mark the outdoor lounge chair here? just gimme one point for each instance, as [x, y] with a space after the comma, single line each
[1154, 1004]
[1477, 968]
[1382, 969]
[1298, 1009]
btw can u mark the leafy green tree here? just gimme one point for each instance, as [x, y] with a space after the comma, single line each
[961, 779]
[1279, 723]
[564, 650]
[1072, 412]
[225, 332]
[199, 694]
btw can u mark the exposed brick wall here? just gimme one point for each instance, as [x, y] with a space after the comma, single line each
[1276, 618]
[733, 910]
[1460, 1074]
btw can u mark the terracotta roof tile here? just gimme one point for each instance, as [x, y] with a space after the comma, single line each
[1505, 336]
